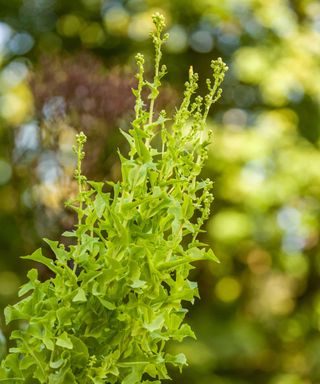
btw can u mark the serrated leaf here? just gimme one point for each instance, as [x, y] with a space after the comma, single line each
[107, 304]
[38, 257]
[80, 296]
[64, 341]
[211, 256]
[183, 332]
[156, 324]
[31, 284]
[12, 313]
[57, 249]
[138, 284]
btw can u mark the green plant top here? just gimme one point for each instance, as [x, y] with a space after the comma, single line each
[115, 298]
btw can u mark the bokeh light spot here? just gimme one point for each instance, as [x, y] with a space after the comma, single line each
[48, 169]
[201, 41]
[288, 379]
[69, 25]
[116, 20]
[9, 283]
[92, 35]
[140, 26]
[16, 104]
[230, 226]
[13, 74]
[235, 118]
[296, 264]
[5, 34]
[228, 289]
[259, 261]
[5, 172]
[21, 43]
[251, 64]
[178, 39]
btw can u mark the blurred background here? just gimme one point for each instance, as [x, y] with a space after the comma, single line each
[67, 66]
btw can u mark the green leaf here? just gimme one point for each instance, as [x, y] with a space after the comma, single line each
[141, 148]
[156, 324]
[107, 304]
[128, 137]
[80, 296]
[31, 284]
[211, 256]
[64, 341]
[13, 313]
[99, 205]
[69, 234]
[64, 316]
[58, 250]
[56, 364]
[133, 377]
[179, 360]
[38, 257]
[138, 283]
[183, 332]
[80, 353]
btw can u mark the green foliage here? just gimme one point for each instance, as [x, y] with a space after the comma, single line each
[116, 294]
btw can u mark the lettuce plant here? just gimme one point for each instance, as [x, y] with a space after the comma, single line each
[115, 298]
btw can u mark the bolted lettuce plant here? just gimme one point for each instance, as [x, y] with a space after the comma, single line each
[115, 298]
